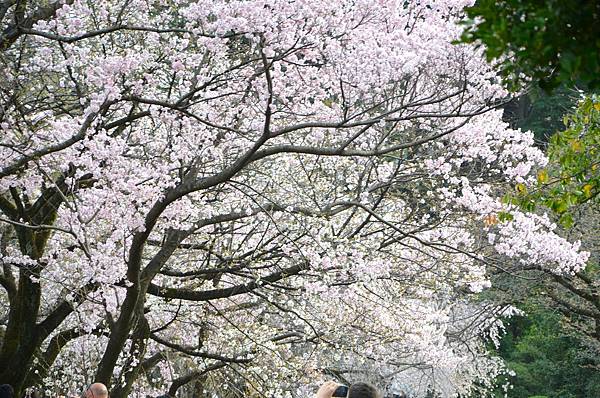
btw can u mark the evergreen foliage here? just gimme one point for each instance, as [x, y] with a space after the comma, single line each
[548, 361]
[551, 42]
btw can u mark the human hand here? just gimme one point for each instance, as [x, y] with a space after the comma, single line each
[327, 389]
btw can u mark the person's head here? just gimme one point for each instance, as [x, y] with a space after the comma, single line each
[363, 390]
[96, 390]
[6, 391]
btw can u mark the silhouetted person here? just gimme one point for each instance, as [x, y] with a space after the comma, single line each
[363, 390]
[356, 390]
[6, 391]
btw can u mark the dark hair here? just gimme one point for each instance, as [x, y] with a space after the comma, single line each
[6, 391]
[363, 390]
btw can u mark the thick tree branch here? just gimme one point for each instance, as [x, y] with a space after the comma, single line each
[195, 353]
[25, 159]
[572, 307]
[341, 151]
[575, 290]
[8, 208]
[115, 28]
[64, 309]
[10, 35]
[206, 295]
[183, 380]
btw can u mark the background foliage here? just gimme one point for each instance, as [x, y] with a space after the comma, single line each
[553, 348]
[548, 360]
[551, 42]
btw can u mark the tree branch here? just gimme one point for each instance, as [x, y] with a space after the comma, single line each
[64, 309]
[206, 295]
[192, 352]
[183, 380]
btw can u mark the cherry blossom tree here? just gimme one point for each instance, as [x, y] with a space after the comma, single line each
[252, 195]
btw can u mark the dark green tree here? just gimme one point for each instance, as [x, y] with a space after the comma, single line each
[555, 44]
[548, 360]
[548, 41]
[540, 112]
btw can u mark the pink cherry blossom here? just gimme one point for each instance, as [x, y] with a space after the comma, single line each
[256, 191]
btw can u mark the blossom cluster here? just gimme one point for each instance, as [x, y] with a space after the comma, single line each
[284, 189]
